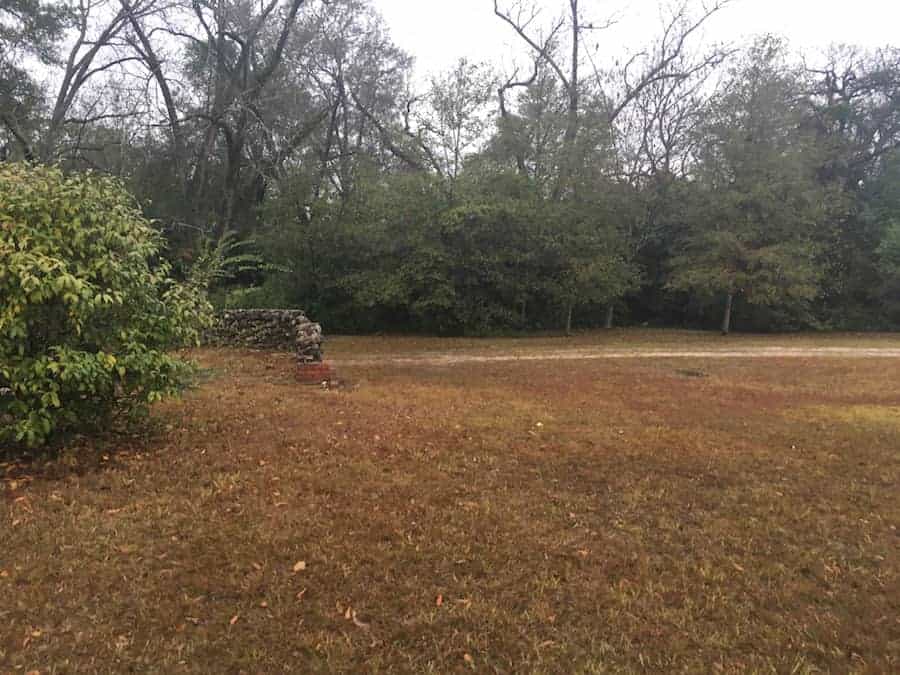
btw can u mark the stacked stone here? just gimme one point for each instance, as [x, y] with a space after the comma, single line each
[282, 329]
[308, 341]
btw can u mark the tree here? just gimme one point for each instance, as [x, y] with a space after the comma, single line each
[476, 267]
[595, 265]
[455, 121]
[758, 204]
[852, 105]
[86, 319]
[240, 49]
[888, 264]
[361, 78]
[642, 70]
[28, 28]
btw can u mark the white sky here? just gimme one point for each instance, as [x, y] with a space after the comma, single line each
[439, 32]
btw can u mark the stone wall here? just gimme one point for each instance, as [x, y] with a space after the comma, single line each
[282, 329]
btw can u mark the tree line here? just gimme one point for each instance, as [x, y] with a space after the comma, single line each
[684, 183]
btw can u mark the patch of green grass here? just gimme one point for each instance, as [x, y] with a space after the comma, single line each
[880, 417]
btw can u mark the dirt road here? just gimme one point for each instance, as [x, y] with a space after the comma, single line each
[579, 354]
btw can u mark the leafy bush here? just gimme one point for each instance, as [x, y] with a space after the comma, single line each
[273, 294]
[87, 310]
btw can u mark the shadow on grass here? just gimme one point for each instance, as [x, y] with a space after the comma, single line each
[94, 449]
[89, 451]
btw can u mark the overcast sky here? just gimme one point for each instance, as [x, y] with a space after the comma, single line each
[439, 32]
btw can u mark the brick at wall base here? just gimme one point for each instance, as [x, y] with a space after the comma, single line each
[316, 373]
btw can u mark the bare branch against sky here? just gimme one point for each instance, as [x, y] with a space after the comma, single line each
[438, 33]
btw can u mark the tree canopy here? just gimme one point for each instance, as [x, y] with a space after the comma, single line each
[680, 183]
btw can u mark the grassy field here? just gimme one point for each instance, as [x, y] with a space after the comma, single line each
[572, 516]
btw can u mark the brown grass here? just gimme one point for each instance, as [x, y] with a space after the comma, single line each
[572, 516]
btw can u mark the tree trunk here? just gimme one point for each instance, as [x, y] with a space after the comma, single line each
[569, 308]
[567, 168]
[154, 65]
[726, 320]
[610, 315]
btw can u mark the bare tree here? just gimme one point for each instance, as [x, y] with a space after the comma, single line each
[656, 133]
[641, 71]
[98, 47]
[142, 44]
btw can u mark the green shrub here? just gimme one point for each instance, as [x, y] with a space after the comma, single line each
[88, 312]
[270, 295]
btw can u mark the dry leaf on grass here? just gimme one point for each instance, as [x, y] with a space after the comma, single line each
[439, 601]
[234, 619]
[300, 565]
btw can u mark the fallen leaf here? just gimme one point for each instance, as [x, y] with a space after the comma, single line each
[234, 619]
[358, 622]
[468, 658]
[264, 604]
[257, 566]
[300, 565]
[348, 614]
[439, 601]
[301, 594]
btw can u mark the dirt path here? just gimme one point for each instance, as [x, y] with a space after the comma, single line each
[576, 354]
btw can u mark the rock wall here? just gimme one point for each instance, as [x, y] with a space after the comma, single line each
[282, 329]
